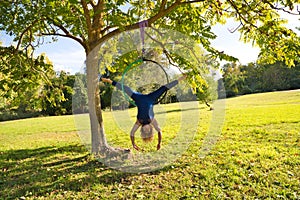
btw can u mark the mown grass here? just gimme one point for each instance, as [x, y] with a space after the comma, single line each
[256, 157]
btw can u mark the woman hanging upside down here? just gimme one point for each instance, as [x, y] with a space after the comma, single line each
[145, 115]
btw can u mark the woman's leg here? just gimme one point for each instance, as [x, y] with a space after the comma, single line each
[127, 89]
[160, 91]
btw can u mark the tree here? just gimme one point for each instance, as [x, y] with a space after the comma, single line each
[56, 97]
[252, 73]
[253, 78]
[30, 86]
[80, 97]
[91, 22]
[233, 79]
[22, 79]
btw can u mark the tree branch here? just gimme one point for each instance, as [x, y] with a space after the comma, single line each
[190, 2]
[105, 29]
[93, 3]
[236, 28]
[161, 13]
[162, 6]
[282, 9]
[86, 15]
[67, 34]
[98, 14]
[23, 33]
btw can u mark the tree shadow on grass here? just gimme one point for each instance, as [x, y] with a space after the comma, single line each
[46, 170]
[180, 110]
[54, 170]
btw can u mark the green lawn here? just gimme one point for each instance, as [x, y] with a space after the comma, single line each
[256, 157]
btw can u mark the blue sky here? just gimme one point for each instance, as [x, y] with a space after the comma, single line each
[68, 55]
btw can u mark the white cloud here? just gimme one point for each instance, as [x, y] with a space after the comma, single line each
[65, 54]
[230, 43]
[67, 61]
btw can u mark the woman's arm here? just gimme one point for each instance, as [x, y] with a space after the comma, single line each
[159, 140]
[132, 132]
[157, 128]
[118, 85]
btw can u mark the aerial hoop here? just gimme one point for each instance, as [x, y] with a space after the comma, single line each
[139, 61]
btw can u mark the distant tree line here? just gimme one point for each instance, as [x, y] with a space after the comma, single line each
[256, 78]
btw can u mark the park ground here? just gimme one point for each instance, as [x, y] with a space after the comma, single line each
[255, 157]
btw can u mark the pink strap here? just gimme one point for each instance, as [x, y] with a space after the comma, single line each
[142, 26]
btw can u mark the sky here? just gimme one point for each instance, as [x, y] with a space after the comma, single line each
[69, 55]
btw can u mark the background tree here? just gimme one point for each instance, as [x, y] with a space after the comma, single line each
[57, 96]
[276, 77]
[254, 78]
[90, 23]
[233, 79]
[80, 97]
[22, 79]
[252, 73]
[31, 87]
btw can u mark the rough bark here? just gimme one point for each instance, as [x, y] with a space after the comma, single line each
[100, 146]
[97, 130]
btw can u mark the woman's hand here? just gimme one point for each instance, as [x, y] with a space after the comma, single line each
[106, 80]
[183, 77]
[136, 147]
[158, 146]
[132, 132]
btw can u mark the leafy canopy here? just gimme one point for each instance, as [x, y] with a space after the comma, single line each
[92, 22]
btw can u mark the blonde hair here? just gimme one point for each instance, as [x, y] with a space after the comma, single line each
[147, 133]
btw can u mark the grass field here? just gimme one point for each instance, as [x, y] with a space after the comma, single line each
[256, 157]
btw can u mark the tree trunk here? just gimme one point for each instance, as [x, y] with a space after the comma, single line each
[99, 143]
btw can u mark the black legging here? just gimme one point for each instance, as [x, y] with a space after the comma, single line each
[153, 95]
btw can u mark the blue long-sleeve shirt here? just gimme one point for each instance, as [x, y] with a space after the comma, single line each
[145, 102]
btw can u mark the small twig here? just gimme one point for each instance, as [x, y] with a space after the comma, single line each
[235, 29]
[171, 60]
